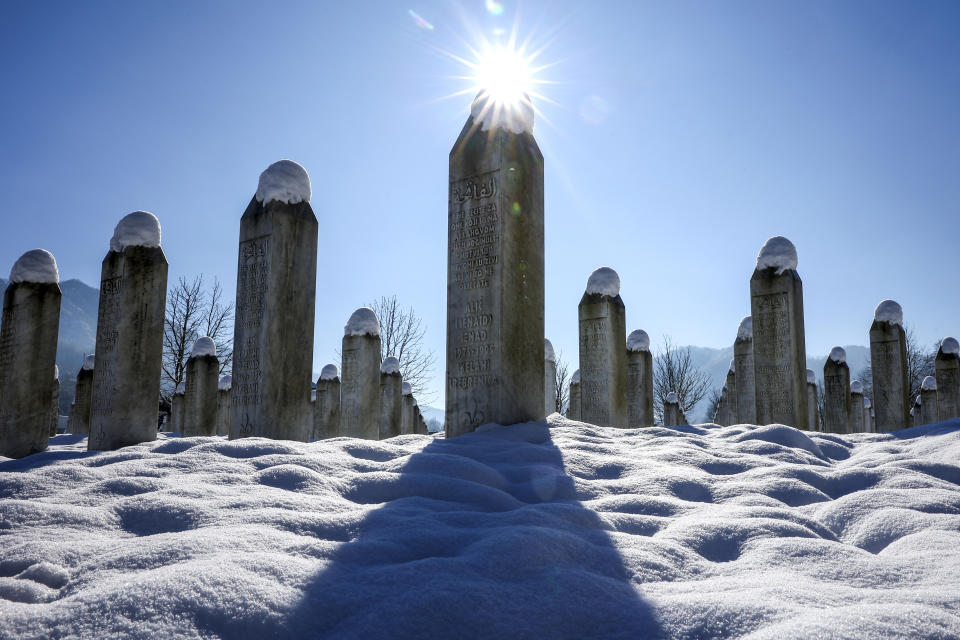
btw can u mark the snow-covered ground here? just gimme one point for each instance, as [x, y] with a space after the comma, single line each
[543, 530]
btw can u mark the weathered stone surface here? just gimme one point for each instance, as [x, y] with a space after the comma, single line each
[391, 403]
[888, 359]
[836, 395]
[28, 354]
[948, 380]
[200, 397]
[495, 280]
[603, 366]
[273, 327]
[813, 404]
[224, 408]
[722, 414]
[733, 415]
[360, 379]
[573, 408]
[54, 406]
[929, 402]
[409, 412]
[743, 363]
[177, 407]
[855, 424]
[672, 413]
[868, 415]
[327, 405]
[549, 379]
[79, 422]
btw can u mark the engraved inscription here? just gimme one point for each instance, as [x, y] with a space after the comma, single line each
[773, 346]
[594, 378]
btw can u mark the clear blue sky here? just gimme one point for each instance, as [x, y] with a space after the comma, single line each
[684, 135]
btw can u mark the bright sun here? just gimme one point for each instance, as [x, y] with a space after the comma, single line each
[505, 74]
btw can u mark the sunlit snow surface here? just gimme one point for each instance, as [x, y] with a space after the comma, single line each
[570, 531]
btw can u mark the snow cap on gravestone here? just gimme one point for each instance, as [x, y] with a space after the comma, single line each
[204, 346]
[406, 389]
[838, 355]
[950, 346]
[137, 229]
[778, 253]
[672, 398]
[56, 372]
[37, 266]
[867, 403]
[575, 378]
[548, 354]
[929, 384]
[390, 366]
[745, 330]
[89, 362]
[638, 340]
[811, 377]
[329, 372]
[284, 181]
[856, 387]
[890, 312]
[733, 366]
[491, 114]
[363, 322]
[225, 383]
[604, 281]
[181, 389]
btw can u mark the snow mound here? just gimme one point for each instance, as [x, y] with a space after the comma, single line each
[363, 322]
[604, 281]
[36, 265]
[733, 366]
[225, 383]
[929, 384]
[390, 366]
[745, 330]
[406, 389]
[492, 114]
[538, 530]
[950, 346]
[672, 398]
[89, 362]
[638, 340]
[284, 181]
[838, 354]
[137, 229]
[548, 353]
[575, 378]
[856, 387]
[778, 253]
[811, 377]
[329, 372]
[204, 346]
[890, 312]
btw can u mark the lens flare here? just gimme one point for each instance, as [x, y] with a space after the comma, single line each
[504, 74]
[419, 21]
[494, 7]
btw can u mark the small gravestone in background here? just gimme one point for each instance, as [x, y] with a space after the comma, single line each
[813, 402]
[495, 270]
[722, 414]
[948, 378]
[743, 363]
[549, 378]
[133, 294]
[177, 409]
[224, 409]
[639, 380]
[855, 424]
[360, 379]
[929, 402]
[29, 330]
[55, 402]
[733, 415]
[327, 406]
[79, 421]
[391, 398]
[276, 297]
[672, 413]
[888, 360]
[200, 395]
[868, 415]
[836, 392]
[916, 412]
[603, 366]
[779, 349]
[573, 409]
[408, 415]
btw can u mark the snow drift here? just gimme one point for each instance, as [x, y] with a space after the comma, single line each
[559, 530]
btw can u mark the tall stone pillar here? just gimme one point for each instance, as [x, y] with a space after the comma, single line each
[743, 363]
[639, 380]
[391, 398]
[888, 360]
[79, 421]
[177, 414]
[836, 392]
[929, 402]
[855, 424]
[200, 396]
[55, 401]
[224, 409]
[360, 390]
[603, 366]
[276, 296]
[779, 349]
[948, 378]
[733, 414]
[672, 413]
[29, 329]
[133, 294]
[549, 378]
[327, 407]
[408, 413]
[813, 402]
[495, 277]
[573, 409]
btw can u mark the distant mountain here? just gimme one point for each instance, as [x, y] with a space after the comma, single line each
[433, 415]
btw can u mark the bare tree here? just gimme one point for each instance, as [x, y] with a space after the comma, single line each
[563, 387]
[921, 363]
[401, 336]
[193, 312]
[673, 370]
